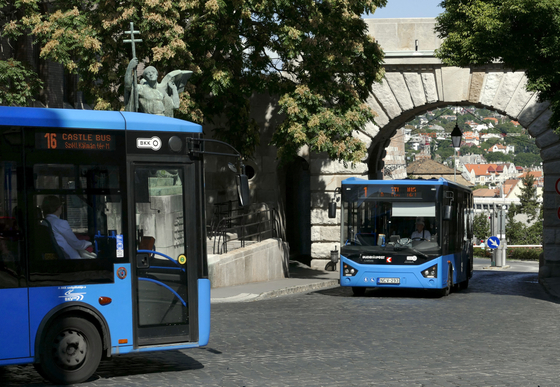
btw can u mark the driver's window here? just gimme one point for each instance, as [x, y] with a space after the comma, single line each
[76, 213]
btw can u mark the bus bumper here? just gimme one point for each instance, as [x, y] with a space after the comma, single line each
[392, 276]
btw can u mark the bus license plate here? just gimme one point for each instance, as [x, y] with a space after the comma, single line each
[394, 281]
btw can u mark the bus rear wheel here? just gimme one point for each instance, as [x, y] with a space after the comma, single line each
[70, 351]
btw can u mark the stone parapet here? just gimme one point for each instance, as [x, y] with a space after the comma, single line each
[262, 261]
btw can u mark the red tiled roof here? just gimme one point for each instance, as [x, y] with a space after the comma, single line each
[536, 174]
[481, 169]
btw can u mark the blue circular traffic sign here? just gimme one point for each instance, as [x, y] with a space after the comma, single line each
[493, 242]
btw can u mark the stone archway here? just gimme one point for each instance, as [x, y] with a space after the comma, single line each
[415, 82]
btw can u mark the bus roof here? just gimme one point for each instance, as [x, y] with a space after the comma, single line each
[434, 181]
[93, 119]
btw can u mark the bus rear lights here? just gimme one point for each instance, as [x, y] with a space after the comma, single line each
[349, 271]
[430, 272]
[105, 300]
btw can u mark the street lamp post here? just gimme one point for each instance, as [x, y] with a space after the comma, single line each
[456, 136]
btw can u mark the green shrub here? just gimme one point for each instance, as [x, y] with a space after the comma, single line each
[480, 252]
[524, 254]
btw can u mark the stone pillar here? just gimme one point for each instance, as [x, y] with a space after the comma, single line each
[325, 177]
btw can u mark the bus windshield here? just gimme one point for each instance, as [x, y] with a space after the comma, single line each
[410, 227]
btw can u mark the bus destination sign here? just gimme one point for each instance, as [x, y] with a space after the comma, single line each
[75, 141]
[395, 191]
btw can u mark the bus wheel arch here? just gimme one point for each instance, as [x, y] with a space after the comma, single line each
[70, 350]
[79, 311]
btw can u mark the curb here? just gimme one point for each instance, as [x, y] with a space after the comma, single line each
[297, 289]
[247, 297]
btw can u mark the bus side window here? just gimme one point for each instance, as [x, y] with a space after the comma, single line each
[11, 232]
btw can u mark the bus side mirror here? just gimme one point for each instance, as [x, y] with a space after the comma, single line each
[243, 193]
[332, 209]
[447, 212]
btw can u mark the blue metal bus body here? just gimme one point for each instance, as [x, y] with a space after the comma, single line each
[380, 247]
[117, 317]
[128, 186]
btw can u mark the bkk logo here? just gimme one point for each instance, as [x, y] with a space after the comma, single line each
[153, 143]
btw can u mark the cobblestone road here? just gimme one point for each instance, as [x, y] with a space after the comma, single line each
[502, 331]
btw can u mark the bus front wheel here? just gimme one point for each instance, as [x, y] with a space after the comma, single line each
[449, 285]
[70, 351]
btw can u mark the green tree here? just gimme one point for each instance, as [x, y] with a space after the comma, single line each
[519, 233]
[18, 83]
[493, 157]
[489, 143]
[527, 159]
[528, 197]
[481, 227]
[508, 127]
[315, 57]
[445, 149]
[523, 34]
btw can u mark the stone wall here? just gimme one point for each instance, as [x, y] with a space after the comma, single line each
[263, 261]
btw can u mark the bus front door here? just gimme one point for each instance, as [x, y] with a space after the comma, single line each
[161, 272]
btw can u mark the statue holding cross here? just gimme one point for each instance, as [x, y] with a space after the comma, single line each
[149, 96]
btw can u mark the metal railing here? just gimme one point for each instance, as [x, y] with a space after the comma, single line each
[235, 228]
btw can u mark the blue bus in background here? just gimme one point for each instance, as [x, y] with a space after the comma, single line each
[130, 184]
[406, 234]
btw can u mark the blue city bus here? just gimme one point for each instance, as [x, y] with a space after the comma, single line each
[410, 233]
[130, 184]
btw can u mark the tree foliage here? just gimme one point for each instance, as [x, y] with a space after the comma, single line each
[18, 83]
[481, 227]
[528, 197]
[520, 233]
[315, 56]
[523, 34]
[493, 157]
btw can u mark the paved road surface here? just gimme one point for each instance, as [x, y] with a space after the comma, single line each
[502, 331]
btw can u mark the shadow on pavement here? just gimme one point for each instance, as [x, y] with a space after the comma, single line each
[147, 363]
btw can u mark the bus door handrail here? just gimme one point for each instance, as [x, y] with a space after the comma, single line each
[165, 286]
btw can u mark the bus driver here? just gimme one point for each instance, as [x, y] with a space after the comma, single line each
[420, 233]
[68, 242]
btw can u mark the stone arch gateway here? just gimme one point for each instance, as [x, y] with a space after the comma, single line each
[415, 82]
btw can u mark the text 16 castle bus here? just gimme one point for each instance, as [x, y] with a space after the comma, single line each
[102, 238]
[406, 234]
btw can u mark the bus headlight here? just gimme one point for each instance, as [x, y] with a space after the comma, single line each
[430, 272]
[349, 271]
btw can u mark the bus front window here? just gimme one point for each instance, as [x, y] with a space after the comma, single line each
[397, 225]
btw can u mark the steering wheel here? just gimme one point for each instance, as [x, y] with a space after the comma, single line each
[419, 239]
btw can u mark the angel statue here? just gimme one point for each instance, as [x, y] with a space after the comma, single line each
[149, 96]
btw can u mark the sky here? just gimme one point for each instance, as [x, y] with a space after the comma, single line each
[408, 8]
